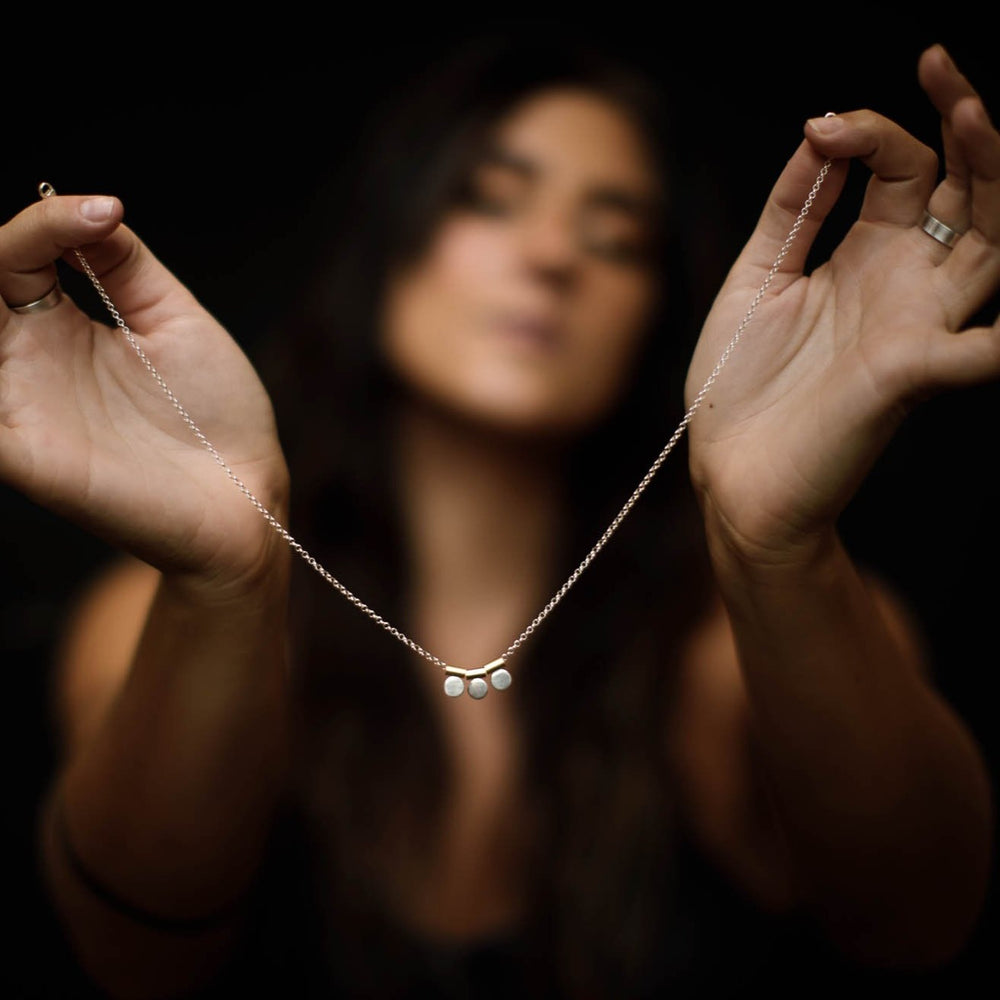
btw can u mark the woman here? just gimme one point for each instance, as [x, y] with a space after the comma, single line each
[778, 719]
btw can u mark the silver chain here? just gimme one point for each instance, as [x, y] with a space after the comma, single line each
[455, 682]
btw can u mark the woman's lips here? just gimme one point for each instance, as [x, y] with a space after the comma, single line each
[531, 330]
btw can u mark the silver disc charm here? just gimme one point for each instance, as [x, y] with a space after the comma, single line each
[454, 686]
[478, 687]
[500, 679]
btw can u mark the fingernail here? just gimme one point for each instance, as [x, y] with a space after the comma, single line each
[826, 126]
[948, 61]
[97, 209]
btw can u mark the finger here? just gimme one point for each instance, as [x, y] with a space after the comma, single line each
[36, 237]
[143, 290]
[946, 86]
[783, 207]
[972, 269]
[904, 169]
[980, 142]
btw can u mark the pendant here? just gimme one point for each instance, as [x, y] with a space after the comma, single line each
[454, 683]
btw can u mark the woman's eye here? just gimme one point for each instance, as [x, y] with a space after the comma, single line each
[491, 204]
[625, 247]
[620, 250]
[490, 192]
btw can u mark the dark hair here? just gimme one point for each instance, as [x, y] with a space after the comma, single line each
[593, 684]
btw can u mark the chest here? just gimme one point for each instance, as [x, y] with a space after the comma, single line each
[471, 880]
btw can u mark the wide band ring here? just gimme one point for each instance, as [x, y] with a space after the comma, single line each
[49, 300]
[938, 230]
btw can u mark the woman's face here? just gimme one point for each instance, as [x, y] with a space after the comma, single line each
[531, 300]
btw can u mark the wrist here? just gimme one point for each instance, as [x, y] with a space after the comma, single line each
[775, 552]
[263, 578]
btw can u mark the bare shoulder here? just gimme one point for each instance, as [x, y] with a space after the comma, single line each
[97, 644]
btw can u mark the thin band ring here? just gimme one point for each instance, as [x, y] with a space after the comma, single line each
[49, 300]
[938, 230]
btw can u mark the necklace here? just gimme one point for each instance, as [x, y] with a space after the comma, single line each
[457, 677]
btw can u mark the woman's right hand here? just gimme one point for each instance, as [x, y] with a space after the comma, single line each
[87, 432]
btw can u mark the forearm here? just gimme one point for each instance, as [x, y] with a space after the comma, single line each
[880, 791]
[169, 804]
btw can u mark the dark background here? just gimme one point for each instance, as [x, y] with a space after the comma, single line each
[221, 145]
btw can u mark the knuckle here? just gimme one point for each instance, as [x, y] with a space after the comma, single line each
[930, 161]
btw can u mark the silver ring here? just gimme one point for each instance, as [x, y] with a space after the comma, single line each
[936, 228]
[49, 300]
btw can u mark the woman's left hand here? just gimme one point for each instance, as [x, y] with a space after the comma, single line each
[831, 363]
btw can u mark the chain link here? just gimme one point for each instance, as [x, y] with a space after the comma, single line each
[46, 190]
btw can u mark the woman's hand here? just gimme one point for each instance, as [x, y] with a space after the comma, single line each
[88, 433]
[831, 363]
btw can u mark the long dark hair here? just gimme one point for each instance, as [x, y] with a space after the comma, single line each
[597, 674]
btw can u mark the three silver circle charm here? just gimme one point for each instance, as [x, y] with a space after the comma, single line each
[454, 683]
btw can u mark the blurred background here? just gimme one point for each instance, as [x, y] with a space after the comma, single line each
[226, 146]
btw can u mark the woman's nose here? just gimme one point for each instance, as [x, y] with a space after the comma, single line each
[549, 238]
